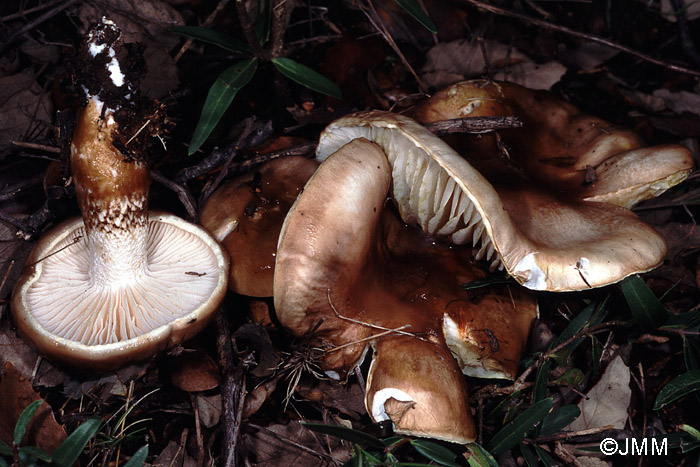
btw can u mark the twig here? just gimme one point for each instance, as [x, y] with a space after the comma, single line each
[476, 125]
[232, 391]
[369, 338]
[301, 447]
[390, 40]
[280, 17]
[249, 32]
[687, 45]
[370, 325]
[186, 198]
[34, 23]
[29, 11]
[40, 147]
[582, 35]
[12, 190]
[573, 434]
[301, 150]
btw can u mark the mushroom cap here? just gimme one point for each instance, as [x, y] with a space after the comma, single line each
[75, 322]
[351, 272]
[558, 146]
[246, 214]
[544, 242]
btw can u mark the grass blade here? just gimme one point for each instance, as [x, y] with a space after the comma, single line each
[514, 432]
[413, 8]
[220, 96]
[307, 77]
[677, 388]
[69, 451]
[558, 419]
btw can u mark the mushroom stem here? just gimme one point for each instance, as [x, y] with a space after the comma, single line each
[112, 193]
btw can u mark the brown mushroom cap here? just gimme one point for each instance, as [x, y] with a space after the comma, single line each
[544, 242]
[558, 146]
[246, 215]
[352, 272]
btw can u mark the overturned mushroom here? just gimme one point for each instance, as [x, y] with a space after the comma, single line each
[350, 271]
[246, 216]
[543, 241]
[121, 283]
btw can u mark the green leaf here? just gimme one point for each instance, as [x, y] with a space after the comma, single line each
[36, 453]
[69, 451]
[647, 310]
[220, 96]
[480, 456]
[138, 458]
[544, 456]
[692, 431]
[307, 77]
[591, 315]
[413, 8]
[435, 452]
[348, 434]
[514, 432]
[677, 388]
[487, 282]
[212, 36]
[558, 419]
[528, 455]
[24, 418]
[571, 377]
[540, 391]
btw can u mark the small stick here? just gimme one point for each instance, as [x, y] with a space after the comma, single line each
[40, 147]
[182, 192]
[476, 125]
[571, 32]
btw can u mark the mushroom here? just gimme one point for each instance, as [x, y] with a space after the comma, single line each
[544, 240]
[558, 146]
[121, 283]
[353, 274]
[246, 215]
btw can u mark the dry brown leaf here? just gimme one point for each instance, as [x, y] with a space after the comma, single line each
[17, 393]
[174, 455]
[209, 408]
[292, 445]
[193, 371]
[607, 402]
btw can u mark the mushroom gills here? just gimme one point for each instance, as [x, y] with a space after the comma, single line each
[423, 190]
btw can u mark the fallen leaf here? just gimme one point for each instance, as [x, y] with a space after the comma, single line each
[293, 445]
[607, 402]
[193, 370]
[24, 107]
[679, 102]
[17, 393]
[209, 408]
[174, 455]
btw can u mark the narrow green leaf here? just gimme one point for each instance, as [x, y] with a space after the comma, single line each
[482, 456]
[435, 452]
[677, 388]
[540, 391]
[647, 310]
[220, 96]
[307, 77]
[689, 321]
[413, 8]
[69, 451]
[487, 282]
[5, 450]
[544, 456]
[212, 36]
[35, 452]
[514, 432]
[528, 455]
[138, 458]
[692, 431]
[558, 419]
[592, 314]
[348, 434]
[3, 462]
[571, 377]
[24, 418]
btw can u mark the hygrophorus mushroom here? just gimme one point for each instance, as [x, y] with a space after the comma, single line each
[121, 283]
